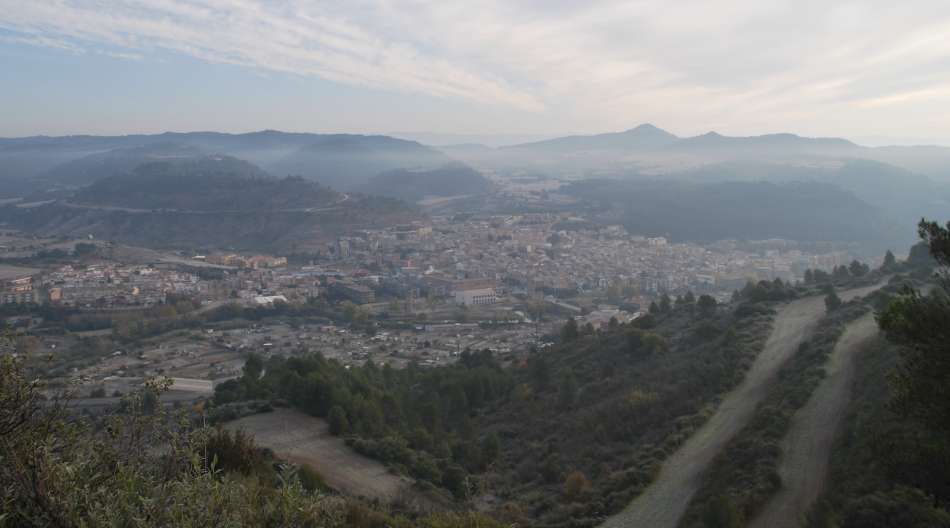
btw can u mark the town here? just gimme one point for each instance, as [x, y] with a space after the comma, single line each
[423, 292]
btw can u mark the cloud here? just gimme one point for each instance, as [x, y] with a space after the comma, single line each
[604, 61]
[311, 39]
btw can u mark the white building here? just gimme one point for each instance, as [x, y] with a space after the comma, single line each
[472, 297]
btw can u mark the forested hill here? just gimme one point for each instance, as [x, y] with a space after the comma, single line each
[413, 185]
[216, 202]
[705, 212]
[209, 184]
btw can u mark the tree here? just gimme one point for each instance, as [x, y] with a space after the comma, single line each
[253, 367]
[541, 373]
[491, 446]
[706, 303]
[809, 277]
[570, 331]
[721, 512]
[920, 384]
[859, 269]
[689, 297]
[568, 390]
[832, 301]
[654, 309]
[889, 259]
[336, 420]
[665, 304]
[614, 294]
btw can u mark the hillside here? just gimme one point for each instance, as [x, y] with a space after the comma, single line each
[208, 184]
[347, 161]
[642, 137]
[208, 204]
[88, 169]
[705, 212]
[413, 185]
[903, 195]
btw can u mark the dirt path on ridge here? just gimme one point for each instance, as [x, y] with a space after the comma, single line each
[809, 444]
[664, 502]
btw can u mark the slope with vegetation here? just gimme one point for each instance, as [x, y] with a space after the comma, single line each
[705, 212]
[412, 185]
[218, 202]
[221, 184]
[144, 466]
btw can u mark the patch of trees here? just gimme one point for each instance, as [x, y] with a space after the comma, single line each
[418, 421]
[169, 186]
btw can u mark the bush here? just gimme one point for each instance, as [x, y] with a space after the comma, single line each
[98, 393]
[311, 479]
[721, 512]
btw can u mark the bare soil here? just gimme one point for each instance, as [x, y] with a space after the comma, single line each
[664, 502]
[809, 445]
[301, 438]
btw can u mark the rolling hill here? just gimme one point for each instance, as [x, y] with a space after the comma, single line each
[209, 203]
[807, 212]
[413, 185]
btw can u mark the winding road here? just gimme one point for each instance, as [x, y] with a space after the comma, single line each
[664, 502]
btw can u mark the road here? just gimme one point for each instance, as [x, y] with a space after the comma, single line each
[664, 502]
[809, 444]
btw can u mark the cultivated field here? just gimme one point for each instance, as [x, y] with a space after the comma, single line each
[664, 502]
[809, 445]
[301, 438]
[9, 272]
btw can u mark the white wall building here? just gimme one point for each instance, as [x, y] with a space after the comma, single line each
[472, 297]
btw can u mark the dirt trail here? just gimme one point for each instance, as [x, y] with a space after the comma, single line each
[809, 445]
[663, 503]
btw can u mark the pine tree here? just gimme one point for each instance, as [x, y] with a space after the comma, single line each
[570, 331]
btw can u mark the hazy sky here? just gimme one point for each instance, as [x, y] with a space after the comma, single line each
[740, 67]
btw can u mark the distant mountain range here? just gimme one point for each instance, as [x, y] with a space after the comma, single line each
[649, 151]
[902, 182]
[343, 161]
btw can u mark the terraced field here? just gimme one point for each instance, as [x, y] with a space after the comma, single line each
[301, 438]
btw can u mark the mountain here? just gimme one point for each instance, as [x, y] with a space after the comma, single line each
[88, 169]
[209, 203]
[901, 194]
[767, 145]
[348, 161]
[211, 184]
[28, 165]
[640, 138]
[414, 184]
[807, 212]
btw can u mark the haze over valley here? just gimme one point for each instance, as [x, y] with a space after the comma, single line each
[440, 265]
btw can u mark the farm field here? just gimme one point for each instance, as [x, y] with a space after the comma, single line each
[664, 502]
[301, 438]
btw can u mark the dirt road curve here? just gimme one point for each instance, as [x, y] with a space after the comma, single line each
[663, 503]
[809, 444]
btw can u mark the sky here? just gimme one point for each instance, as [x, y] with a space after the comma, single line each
[544, 68]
